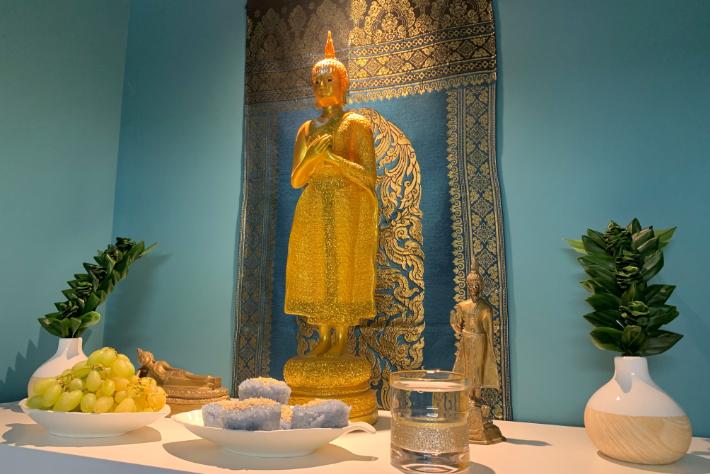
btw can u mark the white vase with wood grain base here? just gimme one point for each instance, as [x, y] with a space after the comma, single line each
[632, 419]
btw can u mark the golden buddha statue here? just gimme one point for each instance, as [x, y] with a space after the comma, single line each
[330, 268]
[472, 321]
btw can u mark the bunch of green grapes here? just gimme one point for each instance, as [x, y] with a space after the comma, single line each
[106, 382]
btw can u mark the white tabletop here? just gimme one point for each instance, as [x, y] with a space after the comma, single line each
[166, 447]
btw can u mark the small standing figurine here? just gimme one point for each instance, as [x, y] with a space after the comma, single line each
[472, 321]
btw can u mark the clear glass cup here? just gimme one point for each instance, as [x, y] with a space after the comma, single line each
[429, 430]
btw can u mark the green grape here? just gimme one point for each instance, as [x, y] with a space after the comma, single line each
[80, 370]
[121, 368]
[95, 357]
[120, 396]
[87, 402]
[103, 404]
[107, 388]
[123, 357]
[108, 356]
[68, 401]
[76, 384]
[41, 385]
[127, 405]
[36, 402]
[51, 395]
[93, 381]
[121, 383]
[65, 373]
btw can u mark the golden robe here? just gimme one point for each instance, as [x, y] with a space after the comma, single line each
[330, 268]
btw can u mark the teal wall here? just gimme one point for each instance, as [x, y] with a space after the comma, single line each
[179, 181]
[61, 76]
[603, 112]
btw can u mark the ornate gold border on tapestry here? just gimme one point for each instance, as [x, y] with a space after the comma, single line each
[477, 215]
[253, 296]
[425, 57]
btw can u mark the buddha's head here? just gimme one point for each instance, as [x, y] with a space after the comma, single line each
[474, 282]
[329, 78]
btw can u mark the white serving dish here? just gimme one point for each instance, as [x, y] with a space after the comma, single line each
[267, 444]
[91, 425]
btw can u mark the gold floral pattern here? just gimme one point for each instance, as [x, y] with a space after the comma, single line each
[407, 44]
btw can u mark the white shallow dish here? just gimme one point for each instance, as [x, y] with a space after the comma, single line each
[267, 444]
[91, 425]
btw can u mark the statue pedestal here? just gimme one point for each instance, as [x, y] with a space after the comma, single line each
[182, 399]
[345, 378]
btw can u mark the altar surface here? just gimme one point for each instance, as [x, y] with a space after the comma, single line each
[166, 446]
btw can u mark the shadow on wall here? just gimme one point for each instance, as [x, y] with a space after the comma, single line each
[129, 302]
[14, 385]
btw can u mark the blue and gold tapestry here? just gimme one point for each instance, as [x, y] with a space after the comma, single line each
[424, 72]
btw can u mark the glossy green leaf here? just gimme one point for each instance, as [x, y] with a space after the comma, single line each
[660, 315]
[606, 262]
[652, 265]
[641, 237]
[659, 342]
[632, 339]
[634, 226]
[665, 236]
[607, 318]
[648, 247]
[591, 246]
[608, 339]
[602, 301]
[658, 294]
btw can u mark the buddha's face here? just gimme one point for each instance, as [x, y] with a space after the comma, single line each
[474, 287]
[327, 88]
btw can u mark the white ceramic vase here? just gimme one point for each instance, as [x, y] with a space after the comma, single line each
[632, 419]
[69, 352]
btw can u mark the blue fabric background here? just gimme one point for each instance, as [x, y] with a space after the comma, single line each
[427, 132]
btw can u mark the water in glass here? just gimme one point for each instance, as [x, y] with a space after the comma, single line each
[429, 421]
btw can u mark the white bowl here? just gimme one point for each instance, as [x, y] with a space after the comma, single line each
[91, 425]
[267, 444]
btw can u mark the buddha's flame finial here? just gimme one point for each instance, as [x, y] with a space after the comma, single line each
[329, 48]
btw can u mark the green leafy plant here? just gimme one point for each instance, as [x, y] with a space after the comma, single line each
[628, 310]
[89, 290]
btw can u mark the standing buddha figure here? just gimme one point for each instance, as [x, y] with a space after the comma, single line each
[472, 322]
[331, 263]
[330, 269]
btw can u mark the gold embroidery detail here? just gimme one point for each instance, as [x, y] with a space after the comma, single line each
[395, 44]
